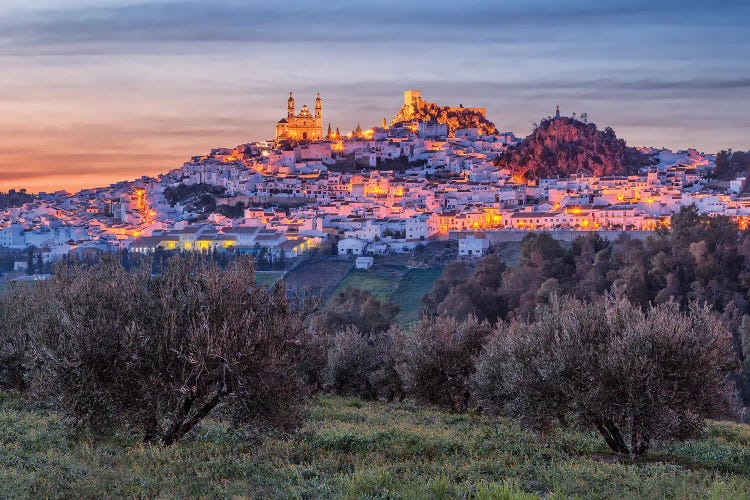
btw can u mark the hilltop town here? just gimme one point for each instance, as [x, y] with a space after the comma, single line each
[433, 172]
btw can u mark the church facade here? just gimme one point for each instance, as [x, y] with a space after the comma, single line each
[302, 127]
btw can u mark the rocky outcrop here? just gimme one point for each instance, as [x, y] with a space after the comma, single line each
[562, 146]
[455, 118]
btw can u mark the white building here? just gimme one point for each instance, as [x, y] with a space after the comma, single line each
[472, 245]
[12, 237]
[433, 130]
[351, 246]
[364, 262]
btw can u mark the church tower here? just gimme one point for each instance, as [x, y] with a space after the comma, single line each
[304, 126]
[319, 112]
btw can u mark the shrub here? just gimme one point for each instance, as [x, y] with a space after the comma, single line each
[635, 377]
[157, 354]
[17, 305]
[439, 360]
[364, 364]
[357, 307]
[312, 357]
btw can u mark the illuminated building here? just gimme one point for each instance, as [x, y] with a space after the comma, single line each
[302, 127]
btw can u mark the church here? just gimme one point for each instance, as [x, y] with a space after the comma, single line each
[302, 127]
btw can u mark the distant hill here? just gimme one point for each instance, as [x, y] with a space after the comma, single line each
[455, 118]
[562, 146]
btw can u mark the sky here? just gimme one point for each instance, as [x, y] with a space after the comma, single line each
[92, 92]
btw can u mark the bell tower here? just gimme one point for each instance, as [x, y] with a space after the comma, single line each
[290, 106]
[319, 112]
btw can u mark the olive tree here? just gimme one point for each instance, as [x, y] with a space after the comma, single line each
[439, 359]
[157, 354]
[634, 376]
[19, 306]
[364, 364]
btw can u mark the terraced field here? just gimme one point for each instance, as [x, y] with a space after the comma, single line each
[402, 285]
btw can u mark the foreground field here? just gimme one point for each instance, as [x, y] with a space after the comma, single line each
[348, 448]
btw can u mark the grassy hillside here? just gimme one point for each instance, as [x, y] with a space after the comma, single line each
[318, 277]
[268, 277]
[399, 284]
[351, 449]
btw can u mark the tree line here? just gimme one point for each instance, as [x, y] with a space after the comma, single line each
[697, 259]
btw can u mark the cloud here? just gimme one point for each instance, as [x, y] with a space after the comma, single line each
[107, 28]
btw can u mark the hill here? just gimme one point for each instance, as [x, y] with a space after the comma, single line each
[562, 146]
[351, 449]
[455, 118]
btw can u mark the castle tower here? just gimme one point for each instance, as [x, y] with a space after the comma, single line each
[412, 98]
[290, 106]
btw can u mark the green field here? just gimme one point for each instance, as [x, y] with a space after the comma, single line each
[268, 277]
[399, 284]
[351, 449]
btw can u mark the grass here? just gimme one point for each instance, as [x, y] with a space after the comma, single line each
[348, 448]
[320, 276]
[399, 284]
[268, 277]
[414, 285]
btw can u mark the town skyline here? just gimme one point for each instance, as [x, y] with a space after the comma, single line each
[97, 92]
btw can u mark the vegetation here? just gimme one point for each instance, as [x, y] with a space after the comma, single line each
[358, 308]
[185, 351]
[268, 278]
[563, 146]
[635, 377]
[397, 284]
[14, 198]
[699, 259]
[15, 337]
[348, 448]
[439, 359]
[459, 292]
[409, 291]
[157, 354]
[731, 164]
[364, 363]
[232, 211]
